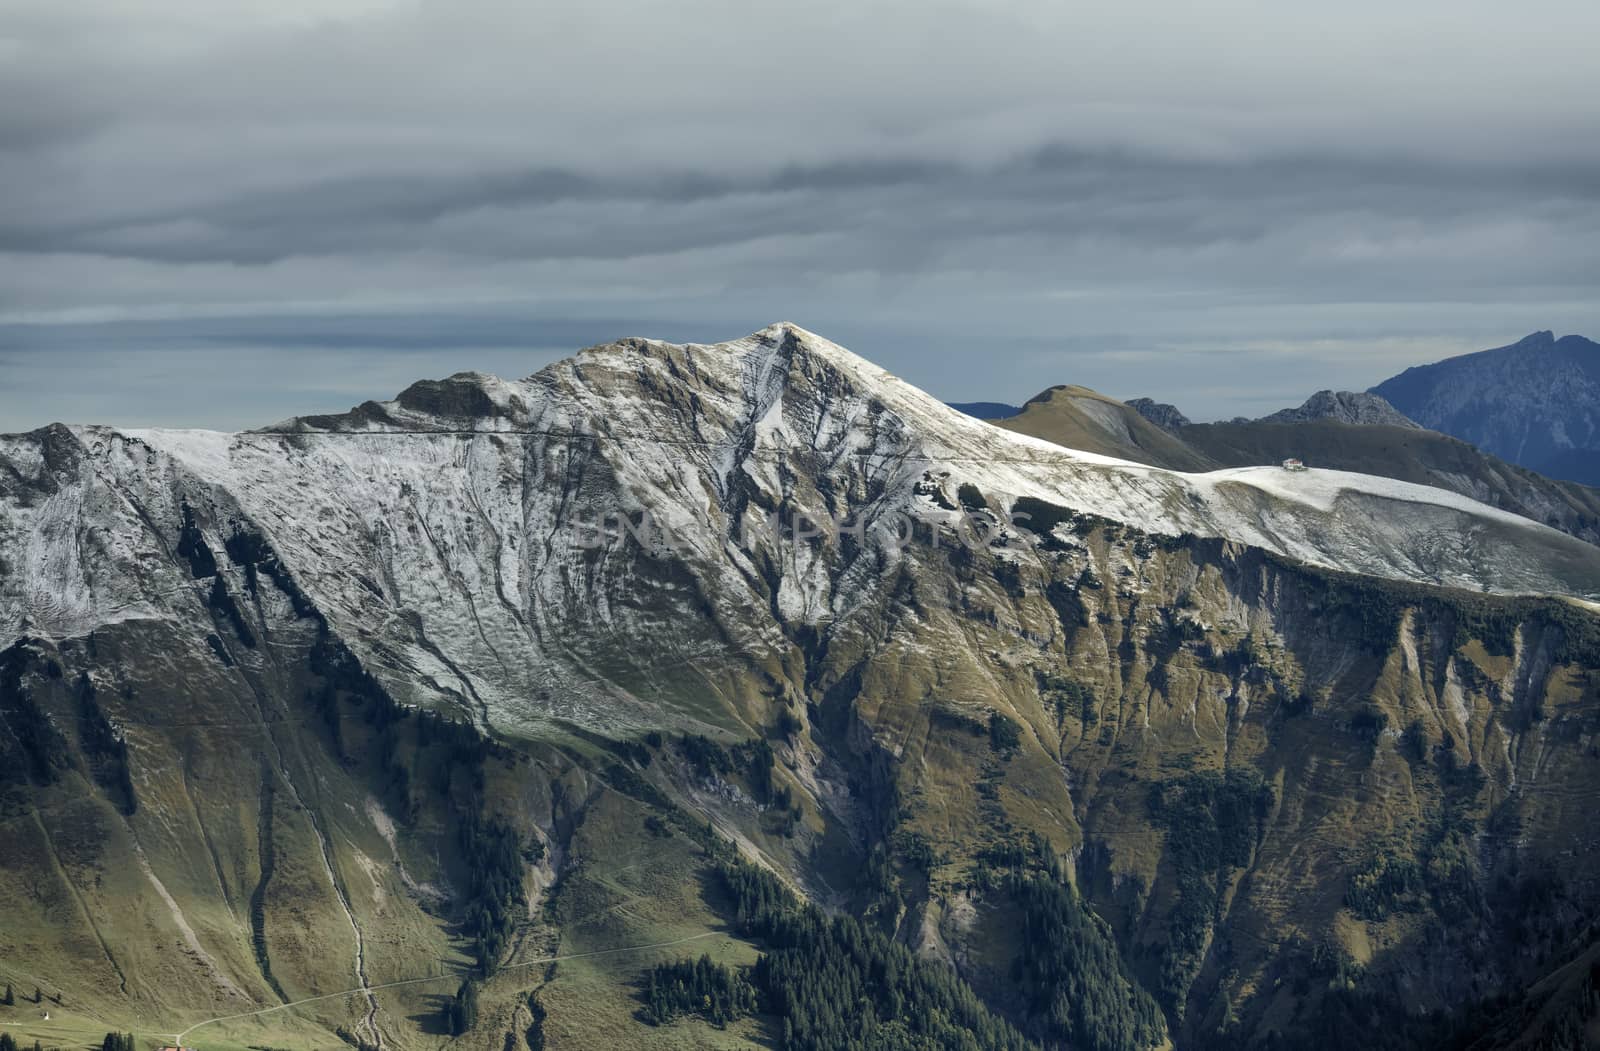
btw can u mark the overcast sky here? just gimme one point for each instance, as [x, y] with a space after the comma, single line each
[223, 212]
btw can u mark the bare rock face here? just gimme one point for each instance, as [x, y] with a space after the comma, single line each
[1343, 407]
[1163, 415]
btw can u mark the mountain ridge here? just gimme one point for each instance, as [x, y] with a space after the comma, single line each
[1535, 402]
[384, 697]
[1345, 407]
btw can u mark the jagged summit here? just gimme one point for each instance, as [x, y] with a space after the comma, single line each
[1164, 415]
[463, 501]
[782, 353]
[1535, 402]
[1354, 407]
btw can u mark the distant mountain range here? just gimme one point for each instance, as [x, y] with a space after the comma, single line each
[1517, 427]
[986, 410]
[1535, 402]
[1320, 433]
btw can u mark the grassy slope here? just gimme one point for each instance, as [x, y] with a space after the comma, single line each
[916, 714]
[1080, 418]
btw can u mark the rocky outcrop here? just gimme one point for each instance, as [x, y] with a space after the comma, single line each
[1342, 407]
[1165, 416]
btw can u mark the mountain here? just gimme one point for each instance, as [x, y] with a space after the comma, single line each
[985, 410]
[1165, 416]
[1343, 407]
[1145, 431]
[1535, 402]
[1079, 418]
[489, 709]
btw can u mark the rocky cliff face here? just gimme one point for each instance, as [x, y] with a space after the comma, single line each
[1163, 415]
[1535, 402]
[1342, 407]
[299, 713]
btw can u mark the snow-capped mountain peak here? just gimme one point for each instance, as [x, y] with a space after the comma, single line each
[455, 536]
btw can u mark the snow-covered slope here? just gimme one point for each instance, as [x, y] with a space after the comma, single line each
[450, 536]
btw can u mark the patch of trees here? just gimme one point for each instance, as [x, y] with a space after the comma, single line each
[406, 740]
[916, 851]
[759, 763]
[1070, 697]
[1376, 607]
[1389, 883]
[971, 498]
[1213, 823]
[492, 852]
[879, 891]
[1550, 1005]
[713, 991]
[1493, 625]
[1005, 736]
[1373, 610]
[1369, 722]
[1077, 990]
[1039, 517]
[461, 1013]
[626, 779]
[117, 1042]
[636, 752]
[707, 757]
[1562, 1018]
[753, 759]
[840, 985]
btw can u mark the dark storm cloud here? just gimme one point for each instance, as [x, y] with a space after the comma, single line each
[383, 212]
[1297, 198]
[916, 210]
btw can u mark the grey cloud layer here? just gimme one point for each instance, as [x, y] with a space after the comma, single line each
[1056, 180]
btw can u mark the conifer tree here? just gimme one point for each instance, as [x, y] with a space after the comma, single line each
[463, 1010]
